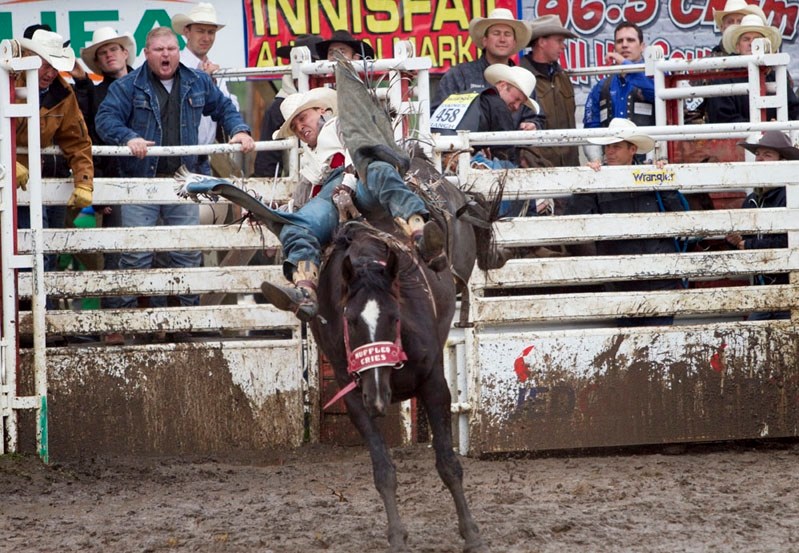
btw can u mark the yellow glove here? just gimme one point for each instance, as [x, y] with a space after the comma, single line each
[22, 176]
[82, 196]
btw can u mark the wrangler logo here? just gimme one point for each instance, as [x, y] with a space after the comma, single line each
[658, 176]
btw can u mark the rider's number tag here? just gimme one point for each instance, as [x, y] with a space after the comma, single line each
[451, 111]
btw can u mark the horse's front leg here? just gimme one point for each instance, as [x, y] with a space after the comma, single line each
[436, 398]
[384, 472]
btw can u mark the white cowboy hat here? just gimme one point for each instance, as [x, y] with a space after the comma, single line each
[519, 77]
[295, 104]
[479, 26]
[50, 47]
[737, 6]
[107, 35]
[548, 25]
[750, 24]
[645, 143]
[203, 13]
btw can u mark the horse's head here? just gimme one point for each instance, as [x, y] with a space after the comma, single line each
[372, 320]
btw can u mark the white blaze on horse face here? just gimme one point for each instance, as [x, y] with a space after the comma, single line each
[370, 315]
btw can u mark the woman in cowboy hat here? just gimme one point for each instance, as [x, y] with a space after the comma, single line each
[500, 36]
[770, 146]
[737, 40]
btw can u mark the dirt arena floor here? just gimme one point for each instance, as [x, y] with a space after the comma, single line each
[320, 498]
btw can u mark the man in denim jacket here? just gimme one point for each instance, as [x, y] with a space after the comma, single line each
[161, 103]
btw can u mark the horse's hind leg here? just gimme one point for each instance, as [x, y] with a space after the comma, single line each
[384, 472]
[436, 398]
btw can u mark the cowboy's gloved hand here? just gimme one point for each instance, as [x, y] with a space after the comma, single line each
[342, 198]
[81, 196]
[22, 176]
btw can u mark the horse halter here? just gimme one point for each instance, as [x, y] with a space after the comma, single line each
[369, 356]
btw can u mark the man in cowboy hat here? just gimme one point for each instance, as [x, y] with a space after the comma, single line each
[770, 146]
[267, 163]
[199, 28]
[61, 124]
[310, 116]
[737, 40]
[500, 36]
[621, 96]
[621, 150]
[343, 43]
[490, 110]
[732, 14]
[553, 89]
[160, 103]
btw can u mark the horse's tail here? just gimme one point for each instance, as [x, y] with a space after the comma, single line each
[482, 213]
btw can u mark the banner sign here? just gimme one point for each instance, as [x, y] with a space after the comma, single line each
[439, 30]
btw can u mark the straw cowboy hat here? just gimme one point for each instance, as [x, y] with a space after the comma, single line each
[50, 47]
[519, 77]
[309, 41]
[750, 24]
[102, 36]
[645, 144]
[360, 47]
[774, 140]
[478, 27]
[737, 6]
[548, 25]
[295, 104]
[203, 13]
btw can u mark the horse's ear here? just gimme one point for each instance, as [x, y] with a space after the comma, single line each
[347, 272]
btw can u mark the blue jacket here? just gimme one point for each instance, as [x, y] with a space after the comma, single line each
[620, 88]
[130, 110]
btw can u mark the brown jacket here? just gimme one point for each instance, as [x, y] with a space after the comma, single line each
[556, 95]
[61, 123]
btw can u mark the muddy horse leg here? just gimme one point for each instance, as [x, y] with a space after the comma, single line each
[384, 472]
[436, 398]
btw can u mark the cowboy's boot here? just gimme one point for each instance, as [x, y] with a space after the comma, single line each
[299, 298]
[428, 238]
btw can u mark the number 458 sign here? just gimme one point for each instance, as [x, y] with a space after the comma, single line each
[451, 111]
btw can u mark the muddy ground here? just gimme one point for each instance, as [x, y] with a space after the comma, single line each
[321, 498]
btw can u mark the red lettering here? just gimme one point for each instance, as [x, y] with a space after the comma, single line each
[783, 16]
[641, 12]
[554, 7]
[682, 17]
[588, 15]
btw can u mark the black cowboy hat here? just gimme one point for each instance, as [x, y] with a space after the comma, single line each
[345, 37]
[774, 140]
[309, 41]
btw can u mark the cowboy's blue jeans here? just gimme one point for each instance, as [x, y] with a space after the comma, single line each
[316, 221]
[148, 216]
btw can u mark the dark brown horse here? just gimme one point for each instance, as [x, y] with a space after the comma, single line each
[380, 307]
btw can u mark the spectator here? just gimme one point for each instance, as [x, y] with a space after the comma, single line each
[310, 116]
[771, 146]
[112, 56]
[620, 151]
[199, 28]
[732, 14]
[61, 123]
[344, 43]
[500, 36]
[553, 88]
[737, 40]
[624, 95]
[490, 110]
[267, 163]
[161, 104]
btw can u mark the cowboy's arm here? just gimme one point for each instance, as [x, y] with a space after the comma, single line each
[221, 109]
[72, 136]
[112, 117]
[640, 80]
